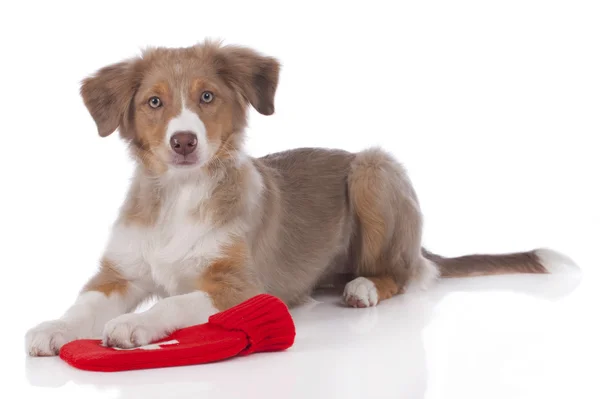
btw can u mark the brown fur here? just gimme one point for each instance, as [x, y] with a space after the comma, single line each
[227, 201]
[367, 200]
[107, 280]
[109, 93]
[143, 202]
[483, 265]
[228, 280]
[386, 287]
[321, 213]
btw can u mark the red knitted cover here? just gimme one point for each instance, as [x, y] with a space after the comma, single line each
[260, 324]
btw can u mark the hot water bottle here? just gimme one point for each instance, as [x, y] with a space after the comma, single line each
[260, 324]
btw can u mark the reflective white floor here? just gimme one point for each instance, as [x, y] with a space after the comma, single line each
[492, 337]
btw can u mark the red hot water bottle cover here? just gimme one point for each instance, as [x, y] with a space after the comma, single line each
[260, 324]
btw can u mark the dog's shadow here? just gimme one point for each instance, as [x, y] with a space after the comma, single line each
[338, 351]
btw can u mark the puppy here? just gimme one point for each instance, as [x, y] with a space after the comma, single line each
[205, 226]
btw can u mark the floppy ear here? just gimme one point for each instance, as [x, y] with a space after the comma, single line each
[108, 94]
[254, 75]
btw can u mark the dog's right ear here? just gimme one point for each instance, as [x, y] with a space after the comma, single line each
[108, 95]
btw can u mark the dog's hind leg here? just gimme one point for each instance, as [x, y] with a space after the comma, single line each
[388, 258]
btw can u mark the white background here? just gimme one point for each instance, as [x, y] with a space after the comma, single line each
[493, 107]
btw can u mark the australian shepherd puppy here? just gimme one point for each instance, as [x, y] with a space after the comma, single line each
[205, 226]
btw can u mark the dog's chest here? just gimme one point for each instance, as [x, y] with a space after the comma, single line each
[173, 252]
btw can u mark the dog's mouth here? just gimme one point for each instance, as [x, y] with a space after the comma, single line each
[184, 160]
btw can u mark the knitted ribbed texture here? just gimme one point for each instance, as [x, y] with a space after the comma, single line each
[265, 320]
[260, 324]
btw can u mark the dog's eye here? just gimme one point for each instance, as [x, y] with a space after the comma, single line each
[154, 102]
[207, 97]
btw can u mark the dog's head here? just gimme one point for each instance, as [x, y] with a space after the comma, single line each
[182, 107]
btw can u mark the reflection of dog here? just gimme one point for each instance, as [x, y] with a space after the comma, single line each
[354, 338]
[206, 227]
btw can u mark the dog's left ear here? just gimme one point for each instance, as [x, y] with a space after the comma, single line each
[254, 75]
[108, 95]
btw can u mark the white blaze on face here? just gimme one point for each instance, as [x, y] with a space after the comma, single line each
[189, 121]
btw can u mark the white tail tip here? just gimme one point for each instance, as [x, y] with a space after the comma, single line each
[555, 262]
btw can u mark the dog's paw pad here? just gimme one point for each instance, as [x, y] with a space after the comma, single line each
[361, 293]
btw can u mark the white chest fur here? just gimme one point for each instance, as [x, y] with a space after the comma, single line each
[169, 256]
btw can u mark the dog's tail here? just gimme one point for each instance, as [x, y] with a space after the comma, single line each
[539, 261]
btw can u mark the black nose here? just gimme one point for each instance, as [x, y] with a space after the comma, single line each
[183, 142]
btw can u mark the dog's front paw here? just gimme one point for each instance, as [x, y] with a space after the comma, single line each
[47, 338]
[131, 330]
